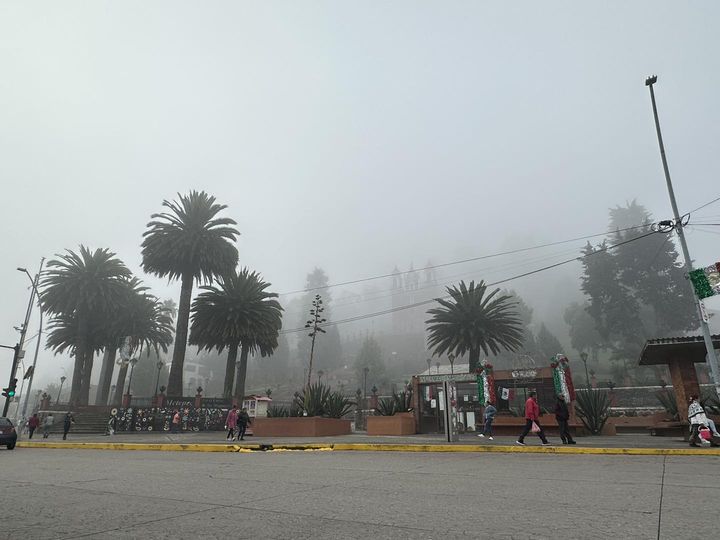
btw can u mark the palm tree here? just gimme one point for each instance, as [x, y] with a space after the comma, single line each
[81, 289]
[238, 314]
[471, 321]
[189, 243]
[146, 323]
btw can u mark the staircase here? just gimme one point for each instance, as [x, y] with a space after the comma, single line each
[85, 422]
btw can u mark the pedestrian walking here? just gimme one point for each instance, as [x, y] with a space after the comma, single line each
[231, 422]
[532, 420]
[47, 424]
[242, 423]
[175, 424]
[489, 416]
[33, 424]
[562, 415]
[68, 421]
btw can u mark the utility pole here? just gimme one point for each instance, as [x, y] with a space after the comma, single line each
[35, 283]
[711, 356]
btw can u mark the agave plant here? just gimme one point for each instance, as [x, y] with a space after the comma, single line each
[313, 400]
[278, 411]
[386, 406]
[338, 405]
[669, 402]
[592, 407]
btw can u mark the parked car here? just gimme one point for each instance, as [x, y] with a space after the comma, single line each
[8, 435]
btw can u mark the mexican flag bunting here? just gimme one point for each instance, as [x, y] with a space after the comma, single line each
[706, 281]
[486, 383]
[562, 377]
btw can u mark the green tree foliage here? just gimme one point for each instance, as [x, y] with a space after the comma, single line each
[145, 374]
[328, 347]
[191, 243]
[547, 344]
[370, 356]
[584, 336]
[472, 321]
[237, 314]
[80, 291]
[636, 291]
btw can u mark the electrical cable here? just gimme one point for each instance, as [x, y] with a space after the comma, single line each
[518, 276]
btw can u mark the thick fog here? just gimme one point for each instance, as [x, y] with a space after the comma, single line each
[355, 137]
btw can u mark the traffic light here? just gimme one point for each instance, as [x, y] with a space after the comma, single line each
[9, 392]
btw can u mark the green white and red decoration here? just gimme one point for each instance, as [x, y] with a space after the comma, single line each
[706, 281]
[486, 383]
[562, 377]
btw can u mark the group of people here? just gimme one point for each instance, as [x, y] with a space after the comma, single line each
[236, 423]
[702, 428]
[532, 420]
[35, 422]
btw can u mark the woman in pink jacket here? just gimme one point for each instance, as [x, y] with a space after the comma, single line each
[231, 422]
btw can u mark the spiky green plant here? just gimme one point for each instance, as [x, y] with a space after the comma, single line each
[278, 411]
[338, 405]
[592, 407]
[313, 399]
[667, 399]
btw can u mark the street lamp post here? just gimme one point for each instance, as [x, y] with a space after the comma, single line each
[437, 366]
[451, 357]
[366, 370]
[132, 361]
[429, 363]
[62, 381]
[584, 357]
[23, 331]
[159, 366]
[707, 337]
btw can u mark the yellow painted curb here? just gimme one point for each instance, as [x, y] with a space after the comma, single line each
[373, 447]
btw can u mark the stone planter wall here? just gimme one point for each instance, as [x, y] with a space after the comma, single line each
[313, 426]
[399, 424]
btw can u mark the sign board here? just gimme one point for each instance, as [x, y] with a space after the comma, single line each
[457, 377]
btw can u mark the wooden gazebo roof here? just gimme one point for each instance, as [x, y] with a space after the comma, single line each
[663, 350]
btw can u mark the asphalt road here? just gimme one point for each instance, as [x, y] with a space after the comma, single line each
[115, 494]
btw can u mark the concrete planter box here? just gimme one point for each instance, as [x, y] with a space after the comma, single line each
[399, 424]
[311, 426]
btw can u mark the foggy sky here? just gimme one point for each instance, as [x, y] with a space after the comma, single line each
[351, 136]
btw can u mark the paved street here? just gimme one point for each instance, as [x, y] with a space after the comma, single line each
[111, 494]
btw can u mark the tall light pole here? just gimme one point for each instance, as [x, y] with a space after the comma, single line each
[429, 363]
[451, 357]
[159, 366]
[19, 352]
[707, 337]
[62, 381]
[133, 361]
[366, 370]
[584, 357]
[39, 336]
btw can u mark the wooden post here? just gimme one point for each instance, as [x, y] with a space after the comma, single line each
[685, 383]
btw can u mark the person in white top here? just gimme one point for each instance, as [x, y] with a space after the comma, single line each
[698, 419]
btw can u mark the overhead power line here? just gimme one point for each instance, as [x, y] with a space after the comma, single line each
[498, 282]
[472, 259]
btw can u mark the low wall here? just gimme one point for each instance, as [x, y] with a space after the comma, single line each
[399, 424]
[313, 426]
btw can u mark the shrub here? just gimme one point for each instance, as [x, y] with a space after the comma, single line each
[278, 411]
[592, 407]
[313, 399]
[398, 403]
[668, 400]
[337, 405]
[386, 406]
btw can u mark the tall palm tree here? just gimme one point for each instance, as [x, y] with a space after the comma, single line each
[240, 314]
[81, 289]
[471, 321]
[146, 323]
[189, 243]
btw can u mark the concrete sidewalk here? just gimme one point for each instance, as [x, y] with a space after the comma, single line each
[215, 442]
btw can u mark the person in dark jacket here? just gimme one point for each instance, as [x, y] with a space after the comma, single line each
[562, 415]
[33, 424]
[243, 419]
[67, 422]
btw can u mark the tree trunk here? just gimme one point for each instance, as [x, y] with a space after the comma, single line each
[106, 373]
[120, 384]
[474, 359]
[230, 370]
[87, 373]
[241, 374]
[77, 376]
[175, 381]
